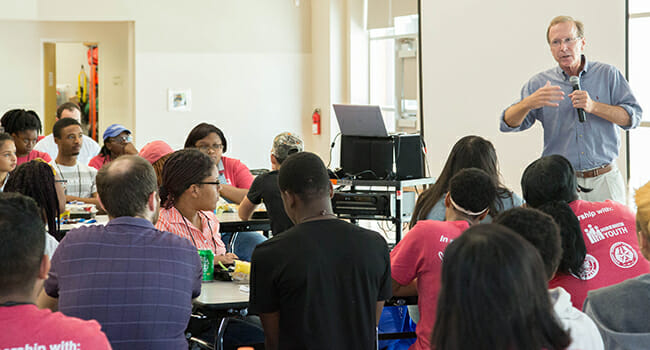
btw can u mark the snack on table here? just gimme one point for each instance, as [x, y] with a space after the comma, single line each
[81, 209]
[225, 207]
[242, 271]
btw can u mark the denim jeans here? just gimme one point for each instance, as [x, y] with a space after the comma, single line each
[242, 244]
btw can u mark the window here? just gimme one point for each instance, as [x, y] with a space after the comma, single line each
[381, 77]
[639, 78]
[393, 72]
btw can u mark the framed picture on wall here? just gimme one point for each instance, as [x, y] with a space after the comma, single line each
[179, 100]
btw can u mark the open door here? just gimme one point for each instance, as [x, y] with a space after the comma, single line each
[49, 93]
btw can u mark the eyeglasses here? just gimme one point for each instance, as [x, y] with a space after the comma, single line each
[207, 148]
[569, 42]
[209, 183]
[121, 139]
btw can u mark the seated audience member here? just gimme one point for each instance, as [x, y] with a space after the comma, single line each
[22, 271]
[189, 195]
[621, 311]
[117, 141]
[417, 258]
[468, 152]
[156, 153]
[136, 281]
[322, 283]
[24, 126]
[265, 187]
[608, 229]
[80, 178]
[235, 179]
[543, 233]
[493, 295]
[234, 176]
[89, 147]
[7, 158]
[48, 194]
[573, 245]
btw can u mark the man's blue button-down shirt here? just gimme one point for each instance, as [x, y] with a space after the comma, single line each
[595, 142]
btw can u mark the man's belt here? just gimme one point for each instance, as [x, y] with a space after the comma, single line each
[595, 172]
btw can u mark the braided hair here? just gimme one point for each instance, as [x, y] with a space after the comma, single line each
[17, 120]
[158, 167]
[181, 170]
[36, 180]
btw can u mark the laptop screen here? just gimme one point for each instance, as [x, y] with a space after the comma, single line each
[358, 120]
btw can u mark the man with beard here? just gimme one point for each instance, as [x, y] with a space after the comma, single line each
[136, 281]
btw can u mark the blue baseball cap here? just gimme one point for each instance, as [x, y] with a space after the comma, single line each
[114, 130]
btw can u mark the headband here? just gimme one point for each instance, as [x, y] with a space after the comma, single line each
[465, 211]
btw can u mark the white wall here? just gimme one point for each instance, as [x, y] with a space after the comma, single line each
[250, 97]
[21, 71]
[258, 67]
[248, 64]
[22, 66]
[18, 9]
[478, 54]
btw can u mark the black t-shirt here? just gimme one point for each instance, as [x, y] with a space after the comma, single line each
[324, 277]
[265, 188]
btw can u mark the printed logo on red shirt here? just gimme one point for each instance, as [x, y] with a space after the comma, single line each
[441, 255]
[589, 268]
[594, 234]
[597, 234]
[623, 255]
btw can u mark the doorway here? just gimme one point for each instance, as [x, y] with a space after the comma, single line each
[71, 75]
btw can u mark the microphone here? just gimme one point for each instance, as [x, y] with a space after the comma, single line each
[575, 81]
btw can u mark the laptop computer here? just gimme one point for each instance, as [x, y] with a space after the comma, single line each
[360, 120]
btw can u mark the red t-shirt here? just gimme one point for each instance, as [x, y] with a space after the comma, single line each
[98, 161]
[419, 255]
[236, 173]
[27, 327]
[609, 231]
[33, 155]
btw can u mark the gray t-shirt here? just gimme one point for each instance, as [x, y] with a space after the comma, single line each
[80, 179]
[621, 312]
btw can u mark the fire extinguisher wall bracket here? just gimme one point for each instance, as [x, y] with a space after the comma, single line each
[315, 122]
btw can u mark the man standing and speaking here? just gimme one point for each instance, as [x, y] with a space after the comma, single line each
[598, 91]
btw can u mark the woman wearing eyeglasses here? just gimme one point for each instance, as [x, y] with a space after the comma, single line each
[234, 176]
[235, 180]
[117, 141]
[189, 194]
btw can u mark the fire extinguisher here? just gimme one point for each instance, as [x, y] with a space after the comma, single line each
[315, 122]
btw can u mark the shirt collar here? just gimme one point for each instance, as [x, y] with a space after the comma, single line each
[174, 216]
[220, 165]
[565, 77]
[461, 225]
[130, 220]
